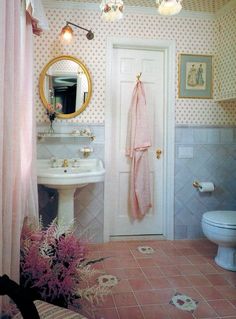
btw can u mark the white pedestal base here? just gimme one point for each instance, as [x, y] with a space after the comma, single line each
[226, 258]
[66, 205]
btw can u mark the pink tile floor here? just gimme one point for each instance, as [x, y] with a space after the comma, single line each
[148, 282]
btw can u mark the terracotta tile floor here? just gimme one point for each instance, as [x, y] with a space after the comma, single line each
[147, 282]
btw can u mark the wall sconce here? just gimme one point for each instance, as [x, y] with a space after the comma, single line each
[169, 7]
[67, 32]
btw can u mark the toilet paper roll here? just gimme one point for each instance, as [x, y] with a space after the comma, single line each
[206, 187]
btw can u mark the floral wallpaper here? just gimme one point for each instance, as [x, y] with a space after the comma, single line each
[192, 35]
[226, 55]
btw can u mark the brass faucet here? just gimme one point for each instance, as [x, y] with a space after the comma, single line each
[65, 163]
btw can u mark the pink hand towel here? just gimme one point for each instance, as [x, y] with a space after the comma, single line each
[137, 144]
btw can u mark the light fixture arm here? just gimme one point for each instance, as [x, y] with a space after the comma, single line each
[76, 25]
[67, 30]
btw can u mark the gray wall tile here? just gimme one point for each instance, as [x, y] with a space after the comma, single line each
[226, 135]
[200, 136]
[213, 136]
[214, 160]
[184, 135]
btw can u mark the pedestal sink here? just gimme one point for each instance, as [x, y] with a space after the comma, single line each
[67, 179]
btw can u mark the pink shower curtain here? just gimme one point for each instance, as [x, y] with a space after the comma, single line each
[137, 144]
[18, 181]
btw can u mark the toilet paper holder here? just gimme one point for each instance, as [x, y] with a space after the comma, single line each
[204, 187]
[197, 185]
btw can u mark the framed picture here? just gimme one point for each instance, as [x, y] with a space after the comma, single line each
[195, 76]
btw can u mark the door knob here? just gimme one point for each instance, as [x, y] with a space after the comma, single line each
[158, 153]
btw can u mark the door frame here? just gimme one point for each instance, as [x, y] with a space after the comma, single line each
[168, 47]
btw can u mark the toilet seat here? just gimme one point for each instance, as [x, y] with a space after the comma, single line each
[221, 219]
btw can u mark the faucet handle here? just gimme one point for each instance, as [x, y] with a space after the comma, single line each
[75, 162]
[54, 162]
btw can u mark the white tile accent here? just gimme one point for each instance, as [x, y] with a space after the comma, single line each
[185, 152]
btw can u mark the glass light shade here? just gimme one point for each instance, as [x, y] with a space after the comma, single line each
[112, 10]
[169, 7]
[66, 34]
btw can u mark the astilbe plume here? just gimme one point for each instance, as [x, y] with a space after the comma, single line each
[53, 263]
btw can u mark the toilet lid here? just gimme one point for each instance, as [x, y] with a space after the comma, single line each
[221, 218]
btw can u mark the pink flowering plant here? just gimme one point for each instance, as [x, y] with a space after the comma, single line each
[52, 111]
[54, 265]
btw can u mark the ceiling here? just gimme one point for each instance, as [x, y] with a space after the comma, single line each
[209, 6]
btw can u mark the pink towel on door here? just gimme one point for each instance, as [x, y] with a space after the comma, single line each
[137, 144]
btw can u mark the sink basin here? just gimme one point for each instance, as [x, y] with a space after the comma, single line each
[67, 179]
[87, 171]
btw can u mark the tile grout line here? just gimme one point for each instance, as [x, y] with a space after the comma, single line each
[115, 306]
[222, 274]
[140, 306]
[150, 289]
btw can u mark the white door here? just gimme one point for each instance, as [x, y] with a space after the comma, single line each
[126, 64]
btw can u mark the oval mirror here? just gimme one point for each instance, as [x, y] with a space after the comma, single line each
[66, 85]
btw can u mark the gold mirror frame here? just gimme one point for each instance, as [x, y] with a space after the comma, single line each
[41, 85]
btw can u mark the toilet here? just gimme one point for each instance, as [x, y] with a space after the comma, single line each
[220, 228]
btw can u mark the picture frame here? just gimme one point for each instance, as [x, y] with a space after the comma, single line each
[195, 76]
